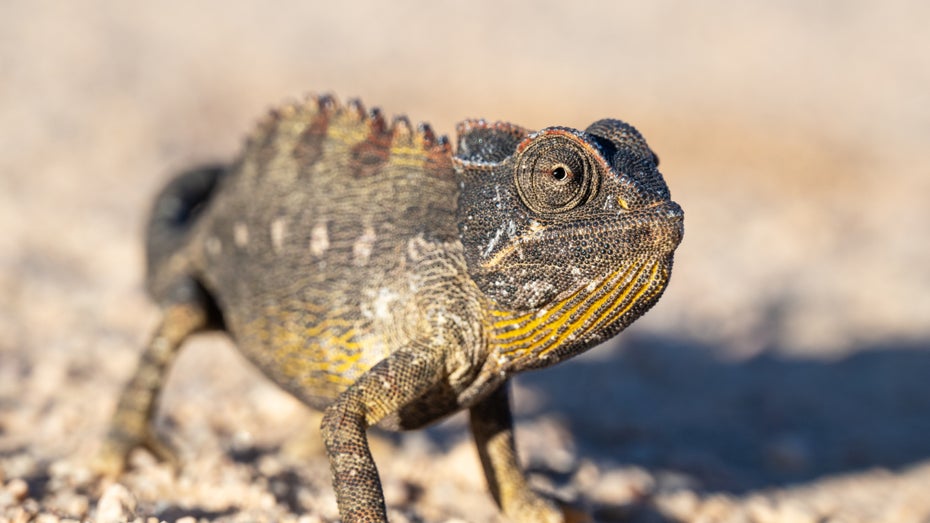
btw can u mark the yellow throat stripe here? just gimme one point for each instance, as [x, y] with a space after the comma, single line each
[576, 316]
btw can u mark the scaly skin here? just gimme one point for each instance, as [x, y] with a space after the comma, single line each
[383, 280]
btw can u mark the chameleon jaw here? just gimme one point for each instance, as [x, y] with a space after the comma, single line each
[664, 220]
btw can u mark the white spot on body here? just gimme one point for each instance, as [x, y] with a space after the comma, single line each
[492, 243]
[319, 239]
[384, 303]
[278, 230]
[535, 289]
[213, 245]
[361, 249]
[240, 234]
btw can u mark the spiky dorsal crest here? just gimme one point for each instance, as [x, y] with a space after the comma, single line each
[368, 140]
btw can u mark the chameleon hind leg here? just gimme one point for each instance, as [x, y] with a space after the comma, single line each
[131, 425]
[492, 427]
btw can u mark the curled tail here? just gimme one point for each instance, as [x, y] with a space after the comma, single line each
[176, 209]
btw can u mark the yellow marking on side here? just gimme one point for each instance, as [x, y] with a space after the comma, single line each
[348, 134]
[407, 150]
[407, 156]
[317, 329]
[325, 356]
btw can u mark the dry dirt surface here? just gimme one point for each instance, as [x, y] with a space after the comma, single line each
[784, 377]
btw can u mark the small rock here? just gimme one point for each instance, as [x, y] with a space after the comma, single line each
[18, 489]
[681, 504]
[68, 503]
[761, 510]
[588, 475]
[116, 504]
[715, 508]
[795, 512]
[622, 486]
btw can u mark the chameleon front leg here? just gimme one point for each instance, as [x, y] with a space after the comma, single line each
[131, 426]
[492, 428]
[394, 382]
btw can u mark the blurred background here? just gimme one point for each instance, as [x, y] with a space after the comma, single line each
[785, 373]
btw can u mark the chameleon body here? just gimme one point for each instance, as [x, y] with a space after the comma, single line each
[385, 279]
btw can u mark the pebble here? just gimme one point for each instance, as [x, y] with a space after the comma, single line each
[794, 512]
[116, 505]
[17, 489]
[715, 508]
[761, 510]
[68, 503]
[621, 486]
[681, 504]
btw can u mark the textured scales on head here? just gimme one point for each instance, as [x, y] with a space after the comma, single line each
[570, 233]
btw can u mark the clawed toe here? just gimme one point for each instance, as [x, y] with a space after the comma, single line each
[113, 457]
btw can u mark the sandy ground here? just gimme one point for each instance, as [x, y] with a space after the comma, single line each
[784, 377]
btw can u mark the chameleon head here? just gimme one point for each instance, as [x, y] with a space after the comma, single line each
[574, 230]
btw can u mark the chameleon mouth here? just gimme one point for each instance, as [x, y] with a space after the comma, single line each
[657, 229]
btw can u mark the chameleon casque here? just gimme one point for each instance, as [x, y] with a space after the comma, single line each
[385, 280]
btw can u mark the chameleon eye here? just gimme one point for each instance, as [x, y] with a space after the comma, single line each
[560, 173]
[555, 175]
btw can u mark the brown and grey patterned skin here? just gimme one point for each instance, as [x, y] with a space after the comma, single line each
[383, 279]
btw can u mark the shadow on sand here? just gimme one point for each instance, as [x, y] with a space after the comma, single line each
[670, 404]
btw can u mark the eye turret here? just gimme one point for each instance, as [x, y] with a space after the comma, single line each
[555, 174]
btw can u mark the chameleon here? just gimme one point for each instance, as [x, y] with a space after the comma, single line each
[385, 279]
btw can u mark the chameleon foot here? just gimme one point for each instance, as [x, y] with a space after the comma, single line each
[113, 457]
[131, 425]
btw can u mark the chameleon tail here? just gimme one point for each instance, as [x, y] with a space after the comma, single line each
[176, 209]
